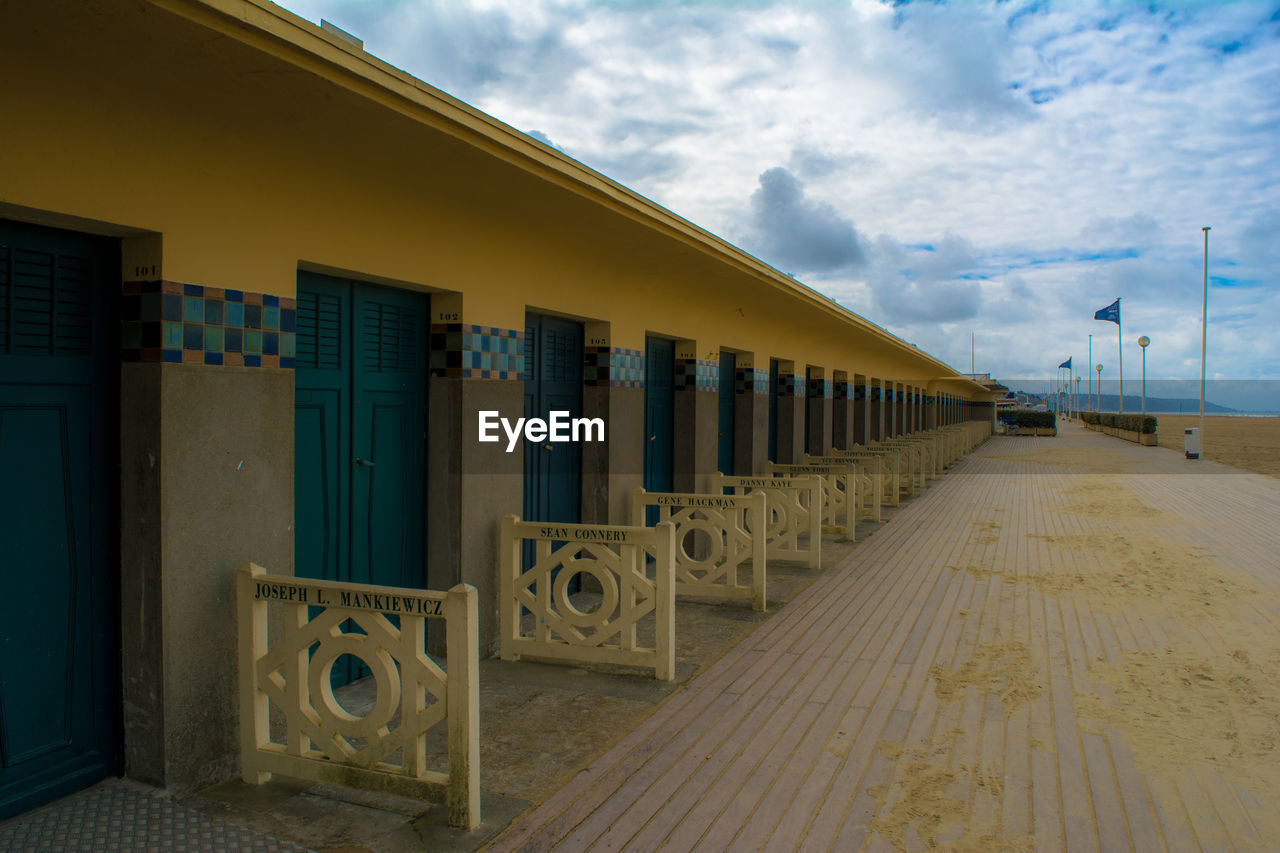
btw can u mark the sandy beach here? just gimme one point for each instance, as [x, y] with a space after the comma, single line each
[1249, 443]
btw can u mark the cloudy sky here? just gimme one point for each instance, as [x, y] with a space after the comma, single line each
[998, 169]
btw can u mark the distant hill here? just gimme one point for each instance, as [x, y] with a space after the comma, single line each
[1133, 404]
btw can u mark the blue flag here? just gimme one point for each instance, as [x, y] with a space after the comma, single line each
[1066, 364]
[1111, 312]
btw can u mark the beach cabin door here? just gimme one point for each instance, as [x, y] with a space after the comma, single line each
[659, 414]
[553, 382]
[724, 451]
[360, 436]
[59, 633]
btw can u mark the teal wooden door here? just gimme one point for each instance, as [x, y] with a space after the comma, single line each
[659, 414]
[388, 439]
[360, 436]
[553, 382]
[59, 640]
[724, 450]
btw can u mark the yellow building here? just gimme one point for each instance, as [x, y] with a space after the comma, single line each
[256, 287]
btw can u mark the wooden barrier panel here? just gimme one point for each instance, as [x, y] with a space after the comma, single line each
[794, 511]
[908, 463]
[891, 473]
[869, 480]
[915, 456]
[615, 557]
[927, 447]
[384, 750]
[734, 529]
[839, 493]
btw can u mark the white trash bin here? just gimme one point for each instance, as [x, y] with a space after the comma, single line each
[1191, 442]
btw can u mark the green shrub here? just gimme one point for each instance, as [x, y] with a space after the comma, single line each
[1145, 424]
[1027, 419]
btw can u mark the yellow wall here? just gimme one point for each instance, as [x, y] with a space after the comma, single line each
[254, 154]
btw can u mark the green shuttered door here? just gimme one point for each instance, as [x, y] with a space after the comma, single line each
[724, 449]
[553, 382]
[59, 644]
[659, 414]
[360, 435]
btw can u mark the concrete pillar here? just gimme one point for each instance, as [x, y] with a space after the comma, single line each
[613, 380]
[791, 402]
[842, 411]
[890, 409]
[861, 410]
[751, 414]
[471, 485]
[819, 400]
[206, 459]
[879, 404]
[696, 419]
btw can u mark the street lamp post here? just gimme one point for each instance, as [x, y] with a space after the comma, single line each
[1204, 327]
[1098, 367]
[1142, 342]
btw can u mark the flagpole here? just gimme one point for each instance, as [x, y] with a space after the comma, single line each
[1120, 348]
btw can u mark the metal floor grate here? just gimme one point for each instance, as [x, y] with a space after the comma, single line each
[113, 819]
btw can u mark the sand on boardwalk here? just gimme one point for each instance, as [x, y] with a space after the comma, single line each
[1249, 443]
[1202, 700]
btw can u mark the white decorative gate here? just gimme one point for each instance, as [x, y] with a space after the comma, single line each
[384, 749]
[839, 493]
[868, 491]
[794, 524]
[615, 557]
[733, 527]
[890, 468]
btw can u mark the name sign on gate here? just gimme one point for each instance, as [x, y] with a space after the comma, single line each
[821, 467]
[759, 482]
[339, 595]
[713, 502]
[580, 533]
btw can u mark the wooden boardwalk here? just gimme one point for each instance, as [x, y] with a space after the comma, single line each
[1066, 643]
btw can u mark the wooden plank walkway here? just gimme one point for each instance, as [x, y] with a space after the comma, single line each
[1065, 643]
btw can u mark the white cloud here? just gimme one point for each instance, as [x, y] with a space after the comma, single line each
[1077, 147]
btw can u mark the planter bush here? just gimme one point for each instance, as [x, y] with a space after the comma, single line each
[1143, 424]
[1027, 419]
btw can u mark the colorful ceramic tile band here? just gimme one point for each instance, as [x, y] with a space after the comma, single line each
[613, 367]
[461, 351]
[167, 321]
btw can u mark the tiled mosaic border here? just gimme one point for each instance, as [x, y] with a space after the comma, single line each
[751, 380]
[843, 389]
[790, 385]
[463, 351]
[697, 374]
[168, 321]
[613, 367]
[820, 388]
